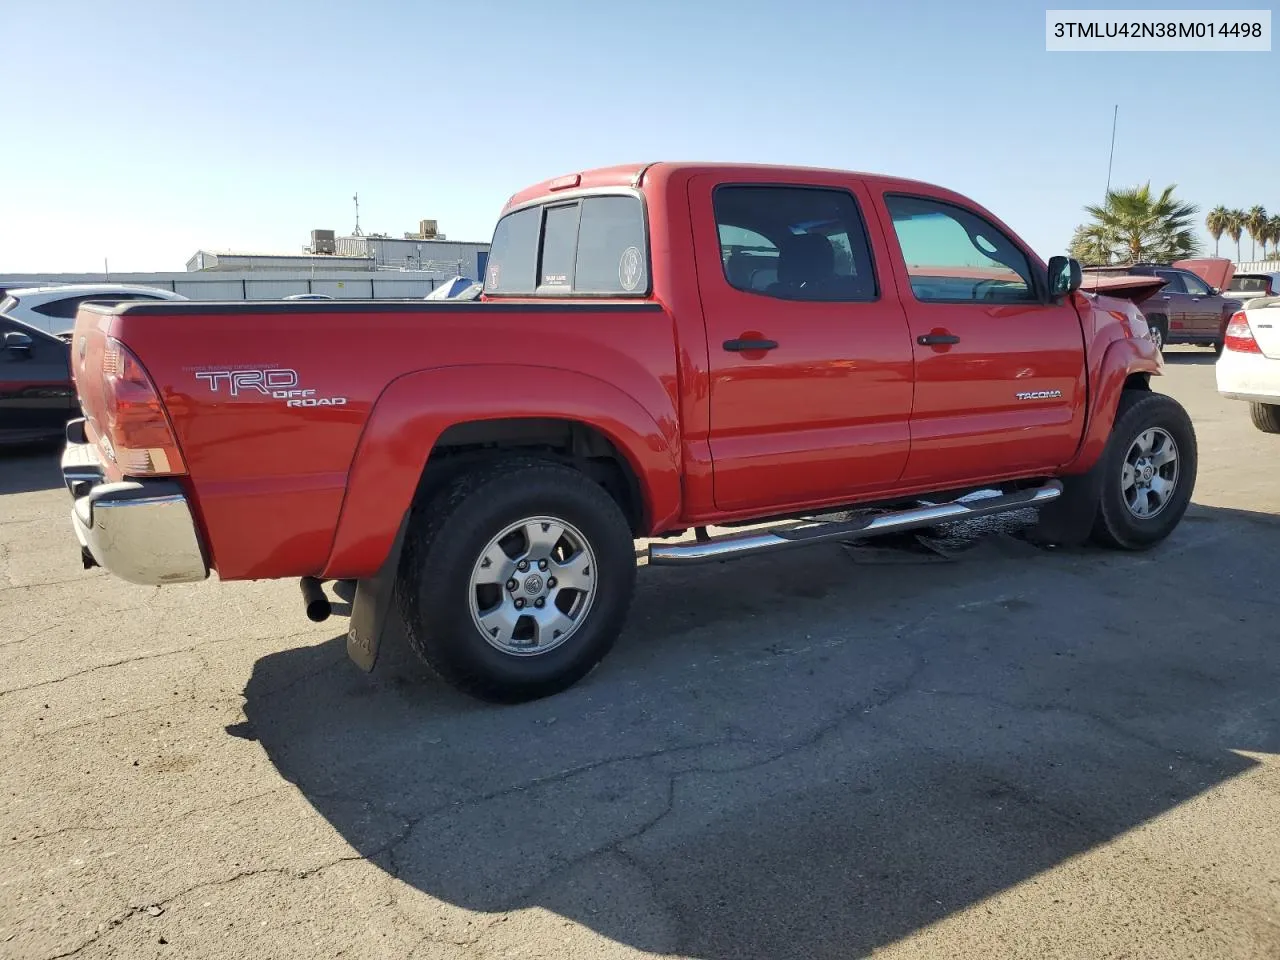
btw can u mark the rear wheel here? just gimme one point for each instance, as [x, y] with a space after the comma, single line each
[516, 580]
[1148, 472]
[1265, 416]
[1217, 348]
[1159, 327]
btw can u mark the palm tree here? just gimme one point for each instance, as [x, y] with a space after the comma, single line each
[1235, 226]
[1216, 221]
[1140, 226]
[1273, 231]
[1092, 245]
[1255, 221]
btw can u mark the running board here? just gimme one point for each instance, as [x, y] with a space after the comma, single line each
[739, 545]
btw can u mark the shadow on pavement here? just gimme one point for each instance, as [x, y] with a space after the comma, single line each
[29, 468]
[811, 754]
[1190, 356]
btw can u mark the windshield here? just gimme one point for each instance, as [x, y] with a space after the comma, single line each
[1248, 285]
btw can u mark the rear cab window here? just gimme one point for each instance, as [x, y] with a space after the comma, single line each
[591, 246]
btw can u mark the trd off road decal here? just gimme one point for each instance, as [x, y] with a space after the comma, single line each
[278, 383]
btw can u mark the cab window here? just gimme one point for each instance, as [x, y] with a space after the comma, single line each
[953, 255]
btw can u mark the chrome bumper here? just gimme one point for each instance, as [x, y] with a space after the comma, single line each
[140, 530]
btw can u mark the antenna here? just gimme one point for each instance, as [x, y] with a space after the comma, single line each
[357, 232]
[1112, 155]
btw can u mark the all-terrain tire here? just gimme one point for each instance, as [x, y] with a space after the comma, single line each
[449, 536]
[1265, 416]
[1116, 524]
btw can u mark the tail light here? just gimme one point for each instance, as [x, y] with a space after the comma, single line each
[137, 434]
[1239, 335]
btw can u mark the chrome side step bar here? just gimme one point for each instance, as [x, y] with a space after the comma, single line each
[740, 545]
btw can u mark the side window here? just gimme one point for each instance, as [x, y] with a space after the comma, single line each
[64, 309]
[794, 243]
[1173, 280]
[1195, 286]
[954, 255]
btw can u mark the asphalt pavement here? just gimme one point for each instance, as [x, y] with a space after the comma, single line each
[993, 751]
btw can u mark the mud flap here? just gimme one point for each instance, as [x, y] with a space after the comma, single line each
[1068, 521]
[372, 607]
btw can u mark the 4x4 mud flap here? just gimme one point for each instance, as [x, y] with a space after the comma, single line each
[373, 606]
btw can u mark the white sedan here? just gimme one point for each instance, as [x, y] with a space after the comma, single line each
[1249, 367]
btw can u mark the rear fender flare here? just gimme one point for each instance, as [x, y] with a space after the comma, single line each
[1123, 358]
[416, 408]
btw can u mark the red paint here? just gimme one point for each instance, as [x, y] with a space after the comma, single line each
[848, 408]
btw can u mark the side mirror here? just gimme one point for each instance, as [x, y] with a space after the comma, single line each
[17, 341]
[1065, 276]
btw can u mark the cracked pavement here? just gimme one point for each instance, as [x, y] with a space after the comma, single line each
[828, 753]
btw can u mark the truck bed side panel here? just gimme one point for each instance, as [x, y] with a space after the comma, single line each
[269, 461]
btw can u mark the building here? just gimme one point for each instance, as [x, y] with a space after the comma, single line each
[425, 251]
[375, 266]
[224, 260]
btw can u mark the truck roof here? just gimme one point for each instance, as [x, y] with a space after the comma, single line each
[634, 174]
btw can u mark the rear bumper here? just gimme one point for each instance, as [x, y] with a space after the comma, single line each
[142, 531]
[1248, 376]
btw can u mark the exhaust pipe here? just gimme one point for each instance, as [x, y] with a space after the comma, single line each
[318, 608]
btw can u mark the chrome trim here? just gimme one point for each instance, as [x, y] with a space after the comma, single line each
[141, 531]
[144, 540]
[731, 547]
[577, 193]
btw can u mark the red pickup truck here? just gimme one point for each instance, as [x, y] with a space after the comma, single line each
[659, 348]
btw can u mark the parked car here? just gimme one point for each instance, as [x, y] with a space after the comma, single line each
[53, 309]
[1249, 286]
[486, 466]
[309, 296]
[37, 396]
[1249, 368]
[1186, 309]
[458, 288]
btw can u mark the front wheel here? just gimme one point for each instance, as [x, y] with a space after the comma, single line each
[517, 579]
[1148, 472]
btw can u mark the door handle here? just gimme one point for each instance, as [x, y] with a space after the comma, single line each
[1166, 297]
[936, 339]
[741, 345]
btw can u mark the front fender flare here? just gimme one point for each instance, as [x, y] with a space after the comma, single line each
[1122, 359]
[416, 408]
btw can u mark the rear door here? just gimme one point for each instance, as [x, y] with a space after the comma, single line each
[999, 369]
[810, 356]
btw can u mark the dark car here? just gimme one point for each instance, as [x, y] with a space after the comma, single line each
[1185, 310]
[37, 397]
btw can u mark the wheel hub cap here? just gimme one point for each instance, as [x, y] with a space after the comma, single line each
[1149, 476]
[532, 586]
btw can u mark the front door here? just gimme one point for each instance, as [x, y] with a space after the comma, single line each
[810, 363]
[1000, 372]
[1204, 308]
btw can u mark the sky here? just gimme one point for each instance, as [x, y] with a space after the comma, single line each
[140, 132]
